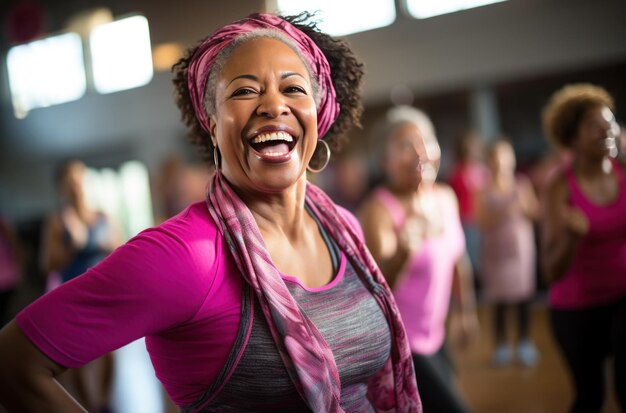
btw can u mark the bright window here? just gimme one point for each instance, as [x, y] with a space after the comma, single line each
[121, 56]
[46, 72]
[124, 195]
[422, 9]
[342, 17]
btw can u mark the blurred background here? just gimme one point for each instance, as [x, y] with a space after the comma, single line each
[90, 80]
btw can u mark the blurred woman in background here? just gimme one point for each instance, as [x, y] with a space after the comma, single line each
[584, 242]
[413, 230]
[506, 208]
[75, 238]
[467, 178]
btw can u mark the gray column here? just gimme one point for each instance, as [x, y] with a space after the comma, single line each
[484, 114]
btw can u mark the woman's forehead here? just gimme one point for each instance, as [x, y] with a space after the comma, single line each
[412, 131]
[260, 53]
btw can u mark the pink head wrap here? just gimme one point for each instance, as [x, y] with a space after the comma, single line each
[204, 57]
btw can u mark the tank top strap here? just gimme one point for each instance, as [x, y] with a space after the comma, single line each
[575, 193]
[397, 212]
[240, 344]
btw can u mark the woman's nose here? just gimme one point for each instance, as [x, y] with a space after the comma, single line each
[273, 104]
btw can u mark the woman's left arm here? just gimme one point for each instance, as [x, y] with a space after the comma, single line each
[28, 377]
[463, 294]
[528, 199]
[464, 299]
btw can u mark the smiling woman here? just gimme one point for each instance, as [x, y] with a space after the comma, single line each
[583, 242]
[262, 298]
[265, 120]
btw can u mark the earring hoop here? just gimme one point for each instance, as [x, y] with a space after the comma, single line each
[216, 159]
[316, 166]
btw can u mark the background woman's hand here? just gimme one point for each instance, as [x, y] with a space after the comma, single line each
[575, 220]
[465, 328]
[76, 228]
[411, 235]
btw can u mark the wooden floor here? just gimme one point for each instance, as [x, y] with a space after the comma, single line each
[544, 388]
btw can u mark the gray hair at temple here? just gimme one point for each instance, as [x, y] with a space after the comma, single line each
[400, 115]
[226, 52]
[394, 118]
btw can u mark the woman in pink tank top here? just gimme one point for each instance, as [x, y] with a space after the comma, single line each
[506, 208]
[413, 229]
[584, 242]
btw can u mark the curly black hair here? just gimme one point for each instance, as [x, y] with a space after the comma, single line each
[346, 73]
[567, 106]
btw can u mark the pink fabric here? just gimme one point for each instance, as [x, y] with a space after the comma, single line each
[508, 252]
[306, 355]
[597, 274]
[466, 180]
[424, 286]
[398, 215]
[174, 284]
[203, 59]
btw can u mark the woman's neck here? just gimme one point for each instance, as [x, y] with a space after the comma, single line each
[592, 168]
[405, 192]
[503, 180]
[282, 212]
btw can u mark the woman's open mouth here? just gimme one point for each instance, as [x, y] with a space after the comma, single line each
[275, 147]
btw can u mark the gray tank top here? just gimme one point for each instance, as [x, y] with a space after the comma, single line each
[350, 320]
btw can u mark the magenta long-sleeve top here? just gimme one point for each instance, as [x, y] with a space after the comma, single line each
[172, 284]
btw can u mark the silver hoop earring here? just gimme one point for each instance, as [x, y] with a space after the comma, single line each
[216, 156]
[321, 157]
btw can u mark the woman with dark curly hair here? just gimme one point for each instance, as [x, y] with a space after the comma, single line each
[262, 298]
[584, 242]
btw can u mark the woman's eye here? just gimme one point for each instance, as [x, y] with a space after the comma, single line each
[242, 92]
[295, 89]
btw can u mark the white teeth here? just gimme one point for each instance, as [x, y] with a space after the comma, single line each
[274, 136]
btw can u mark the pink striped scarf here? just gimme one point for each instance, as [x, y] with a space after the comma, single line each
[306, 355]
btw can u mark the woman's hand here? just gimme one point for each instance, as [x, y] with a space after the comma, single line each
[575, 220]
[466, 329]
[411, 235]
[76, 228]
[562, 228]
[27, 377]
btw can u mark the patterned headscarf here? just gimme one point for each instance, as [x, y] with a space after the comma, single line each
[307, 357]
[203, 59]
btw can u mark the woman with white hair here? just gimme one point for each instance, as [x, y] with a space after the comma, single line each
[413, 230]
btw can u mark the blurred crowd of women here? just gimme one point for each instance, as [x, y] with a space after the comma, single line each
[484, 233]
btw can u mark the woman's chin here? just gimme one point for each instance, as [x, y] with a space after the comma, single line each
[276, 179]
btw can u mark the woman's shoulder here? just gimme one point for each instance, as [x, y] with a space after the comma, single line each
[375, 207]
[446, 194]
[190, 238]
[557, 185]
[192, 222]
